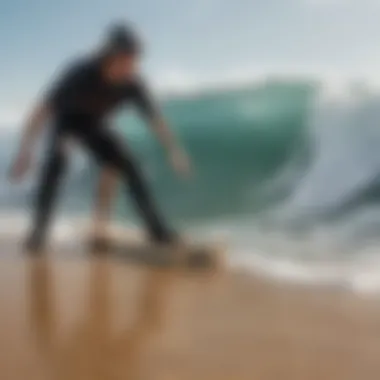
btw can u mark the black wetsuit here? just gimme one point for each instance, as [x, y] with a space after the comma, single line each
[80, 100]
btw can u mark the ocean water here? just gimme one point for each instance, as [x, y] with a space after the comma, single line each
[288, 178]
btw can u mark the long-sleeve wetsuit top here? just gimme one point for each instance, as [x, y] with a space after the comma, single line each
[81, 90]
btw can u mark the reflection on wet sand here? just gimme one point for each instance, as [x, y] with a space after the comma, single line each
[101, 319]
[41, 304]
[91, 349]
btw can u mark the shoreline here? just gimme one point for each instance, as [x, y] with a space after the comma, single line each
[360, 278]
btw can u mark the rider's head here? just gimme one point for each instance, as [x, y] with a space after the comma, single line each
[122, 52]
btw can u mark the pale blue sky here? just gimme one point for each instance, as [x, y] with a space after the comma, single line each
[190, 42]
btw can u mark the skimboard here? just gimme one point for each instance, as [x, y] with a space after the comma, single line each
[133, 246]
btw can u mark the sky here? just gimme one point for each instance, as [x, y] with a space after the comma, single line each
[190, 43]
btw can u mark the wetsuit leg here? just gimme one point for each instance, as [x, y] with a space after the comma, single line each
[47, 190]
[107, 150]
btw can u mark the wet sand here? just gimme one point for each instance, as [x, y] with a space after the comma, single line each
[73, 318]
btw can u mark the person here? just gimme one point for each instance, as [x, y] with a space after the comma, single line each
[78, 104]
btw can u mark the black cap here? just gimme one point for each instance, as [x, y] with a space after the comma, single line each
[122, 39]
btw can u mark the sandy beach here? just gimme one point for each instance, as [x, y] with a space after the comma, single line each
[84, 318]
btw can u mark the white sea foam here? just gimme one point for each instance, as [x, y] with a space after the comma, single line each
[316, 260]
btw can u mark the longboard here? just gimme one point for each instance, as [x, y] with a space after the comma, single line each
[131, 245]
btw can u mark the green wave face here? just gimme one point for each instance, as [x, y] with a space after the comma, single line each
[238, 141]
